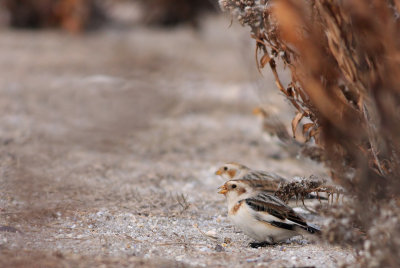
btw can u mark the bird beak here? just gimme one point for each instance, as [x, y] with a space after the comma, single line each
[256, 111]
[223, 190]
[218, 172]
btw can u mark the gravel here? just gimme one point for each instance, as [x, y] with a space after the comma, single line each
[109, 143]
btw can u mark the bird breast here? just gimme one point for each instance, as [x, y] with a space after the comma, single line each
[243, 217]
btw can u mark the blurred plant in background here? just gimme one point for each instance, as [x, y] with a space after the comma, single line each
[81, 15]
[173, 12]
[71, 15]
[344, 59]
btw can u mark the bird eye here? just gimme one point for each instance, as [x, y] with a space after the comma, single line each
[225, 168]
[233, 186]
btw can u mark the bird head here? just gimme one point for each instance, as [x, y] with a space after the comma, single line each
[234, 190]
[260, 112]
[231, 171]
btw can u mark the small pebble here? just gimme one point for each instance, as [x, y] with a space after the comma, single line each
[219, 248]
[212, 233]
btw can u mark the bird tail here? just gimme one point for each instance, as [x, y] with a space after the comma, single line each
[314, 196]
[311, 229]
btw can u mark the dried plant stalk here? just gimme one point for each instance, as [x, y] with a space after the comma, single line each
[300, 189]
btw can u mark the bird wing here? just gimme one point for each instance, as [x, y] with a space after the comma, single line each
[266, 181]
[264, 175]
[271, 209]
[263, 185]
[274, 126]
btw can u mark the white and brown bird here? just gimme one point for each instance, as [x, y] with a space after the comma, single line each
[234, 170]
[275, 131]
[259, 180]
[262, 180]
[261, 216]
[272, 125]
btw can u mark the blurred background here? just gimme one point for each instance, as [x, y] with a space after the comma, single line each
[83, 15]
[114, 116]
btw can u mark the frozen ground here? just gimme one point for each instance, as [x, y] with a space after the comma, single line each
[109, 143]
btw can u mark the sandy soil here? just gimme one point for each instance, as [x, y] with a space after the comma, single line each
[109, 143]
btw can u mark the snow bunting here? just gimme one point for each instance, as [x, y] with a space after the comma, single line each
[264, 180]
[272, 125]
[262, 216]
[261, 181]
[275, 131]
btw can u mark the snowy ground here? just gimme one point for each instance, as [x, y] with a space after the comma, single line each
[109, 143]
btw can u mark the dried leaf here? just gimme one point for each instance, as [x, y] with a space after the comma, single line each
[307, 126]
[264, 60]
[296, 120]
[314, 133]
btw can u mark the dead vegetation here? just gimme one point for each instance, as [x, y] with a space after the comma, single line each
[344, 60]
[300, 189]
